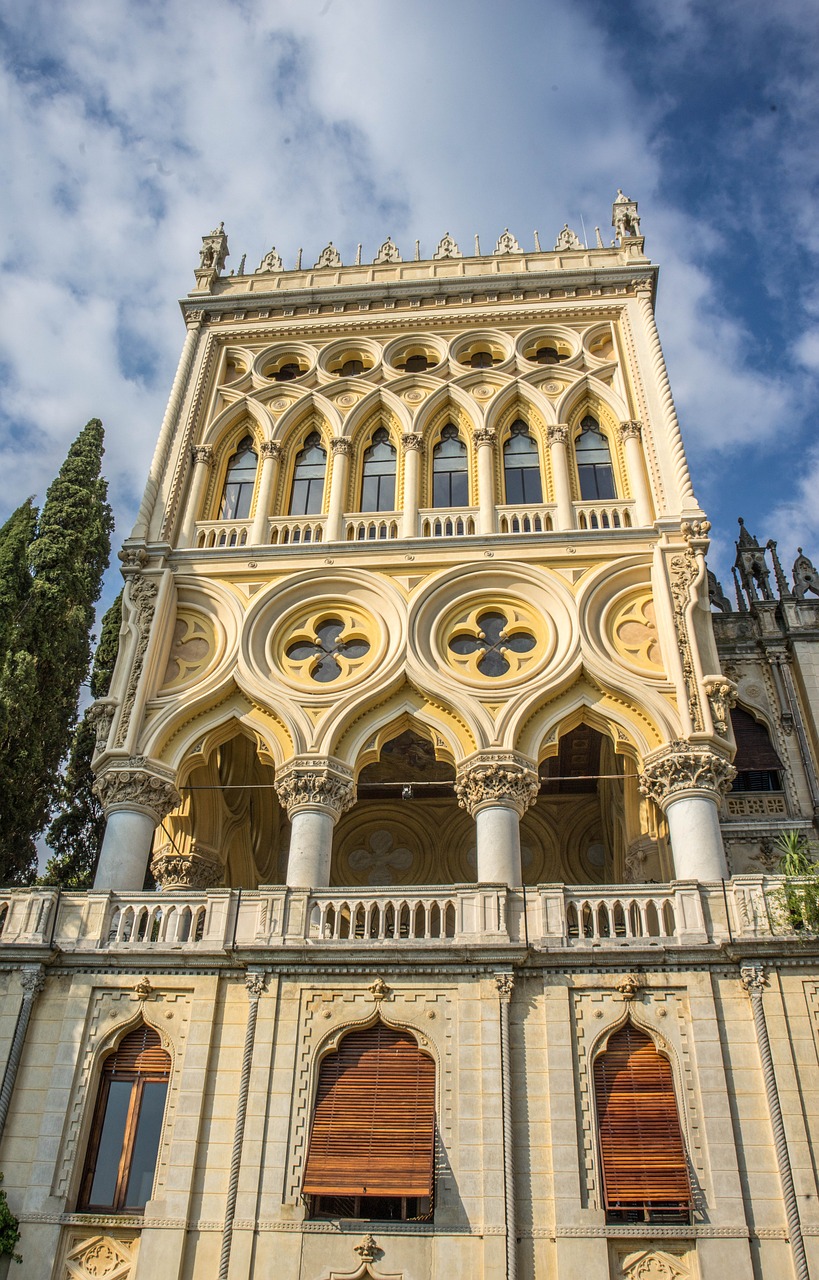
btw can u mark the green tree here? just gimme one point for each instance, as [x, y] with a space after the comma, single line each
[76, 833]
[48, 649]
[15, 576]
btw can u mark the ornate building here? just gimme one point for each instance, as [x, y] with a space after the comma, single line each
[423, 726]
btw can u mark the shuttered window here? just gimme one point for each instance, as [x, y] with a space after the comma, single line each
[373, 1128]
[645, 1173]
[127, 1126]
[756, 762]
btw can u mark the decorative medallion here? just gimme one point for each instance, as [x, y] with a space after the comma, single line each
[347, 400]
[328, 646]
[414, 396]
[483, 392]
[491, 642]
[553, 388]
[280, 404]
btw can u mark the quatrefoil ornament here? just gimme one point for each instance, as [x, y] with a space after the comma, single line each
[492, 642]
[328, 647]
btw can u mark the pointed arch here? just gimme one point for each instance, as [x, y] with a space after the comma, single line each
[212, 720]
[244, 420]
[633, 728]
[363, 733]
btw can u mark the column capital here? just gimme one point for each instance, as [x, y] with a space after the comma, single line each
[193, 319]
[139, 784]
[557, 433]
[198, 868]
[32, 980]
[315, 782]
[685, 769]
[505, 983]
[270, 449]
[752, 977]
[631, 430]
[643, 287]
[485, 436]
[202, 453]
[255, 983]
[341, 446]
[412, 440]
[502, 778]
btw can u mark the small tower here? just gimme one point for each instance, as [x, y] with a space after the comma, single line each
[625, 218]
[212, 257]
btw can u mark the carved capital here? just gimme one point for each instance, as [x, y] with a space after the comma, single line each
[270, 449]
[202, 453]
[557, 434]
[684, 769]
[485, 436]
[193, 319]
[505, 983]
[132, 559]
[199, 868]
[100, 716]
[315, 782]
[341, 446]
[255, 983]
[752, 977]
[411, 440]
[497, 778]
[137, 784]
[32, 981]
[631, 430]
[722, 695]
[643, 288]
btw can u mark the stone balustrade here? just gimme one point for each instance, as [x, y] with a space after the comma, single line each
[222, 533]
[545, 917]
[605, 515]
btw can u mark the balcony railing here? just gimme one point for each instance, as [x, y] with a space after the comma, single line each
[605, 515]
[514, 519]
[452, 522]
[373, 527]
[222, 533]
[545, 917]
[293, 530]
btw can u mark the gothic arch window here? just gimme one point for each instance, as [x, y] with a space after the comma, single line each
[240, 481]
[378, 474]
[757, 764]
[642, 1153]
[307, 491]
[373, 1135]
[450, 478]
[121, 1159]
[594, 467]
[521, 466]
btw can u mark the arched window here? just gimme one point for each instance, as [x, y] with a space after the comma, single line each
[450, 486]
[481, 360]
[127, 1126]
[307, 494]
[645, 1172]
[378, 474]
[521, 466]
[288, 372]
[373, 1136]
[547, 355]
[757, 764]
[239, 482]
[594, 462]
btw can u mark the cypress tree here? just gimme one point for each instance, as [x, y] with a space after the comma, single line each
[15, 576]
[76, 833]
[47, 651]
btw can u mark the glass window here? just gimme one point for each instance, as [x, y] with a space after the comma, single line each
[351, 368]
[240, 481]
[547, 355]
[127, 1126]
[416, 364]
[378, 475]
[481, 360]
[307, 496]
[287, 373]
[594, 462]
[450, 481]
[521, 466]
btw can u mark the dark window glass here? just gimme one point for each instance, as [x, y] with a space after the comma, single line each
[378, 475]
[450, 487]
[547, 355]
[481, 360]
[146, 1143]
[416, 364]
[521, 466]
[287, 373]
[351, 367]
[594, 462]
[307, 496]
[112, 1140]
[239, 482]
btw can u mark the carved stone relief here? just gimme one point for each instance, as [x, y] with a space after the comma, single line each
[685, 768]
[315, 782]
[142, 593]
[497, 777]
[100, 1256]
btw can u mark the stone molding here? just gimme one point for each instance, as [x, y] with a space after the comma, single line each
[684, 769]
[270, 449]
[341, 446]
[631, 430]
[557, 434]
[412, 440]
[316, 782]
[199, 868]
[497, 778]
[138, 784]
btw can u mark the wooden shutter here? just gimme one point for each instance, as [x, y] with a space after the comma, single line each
[374, 1121]
[641, 1143]
[754, 747]
[139, 1053]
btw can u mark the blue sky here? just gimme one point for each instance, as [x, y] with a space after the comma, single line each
[132, 129]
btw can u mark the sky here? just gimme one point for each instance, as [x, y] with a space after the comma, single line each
[132, 129]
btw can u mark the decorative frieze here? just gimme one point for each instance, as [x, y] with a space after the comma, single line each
[137, 783]
[497, 778]
[685, 769]
[315, 783]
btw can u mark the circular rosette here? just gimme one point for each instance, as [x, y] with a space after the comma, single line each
[495, 640]
[327, 646]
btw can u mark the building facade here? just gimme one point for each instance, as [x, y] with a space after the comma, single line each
[464, 956]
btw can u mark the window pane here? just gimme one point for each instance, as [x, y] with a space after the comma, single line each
[532, 488]
[458, 495]
[146, 1144]
[605, 481]
[109, 1152]
[386, 493]
[514, 484]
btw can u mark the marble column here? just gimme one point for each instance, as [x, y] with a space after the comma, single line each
[485, 440]
[630, 434]
[688, 780]
[136, 795]
[270, 453]
[413, 446]
[497, 787]
[342, 448]
[202, 461]
[315, 791]
[558, 438]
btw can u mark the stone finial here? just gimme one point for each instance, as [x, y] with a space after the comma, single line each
[329, 257]
[368, 1251]
[388, 252]
[507, 244]
[378, 989]
[628, 987]
[447, 248]
[805, 577]
[143, 989]
[270, 262]
[568, 239]
[212, 257]
[624, 217]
